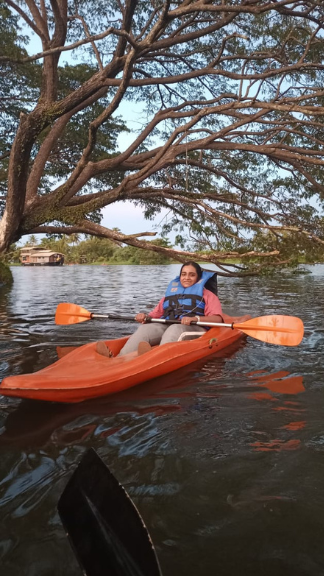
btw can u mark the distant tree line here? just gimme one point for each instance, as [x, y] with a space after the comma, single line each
[93, 250]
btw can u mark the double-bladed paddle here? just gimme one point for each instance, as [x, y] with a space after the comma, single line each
[104, 527]
[274, 329]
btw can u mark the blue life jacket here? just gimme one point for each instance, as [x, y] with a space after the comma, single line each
[180, 301]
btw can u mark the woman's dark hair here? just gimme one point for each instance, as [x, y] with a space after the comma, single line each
[196, 267]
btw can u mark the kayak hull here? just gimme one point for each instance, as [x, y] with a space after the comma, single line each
[83, 374]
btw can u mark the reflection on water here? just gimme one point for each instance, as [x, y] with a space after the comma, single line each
[223, 458]
[279, 383]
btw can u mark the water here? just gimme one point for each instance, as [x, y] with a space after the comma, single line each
[224, 459]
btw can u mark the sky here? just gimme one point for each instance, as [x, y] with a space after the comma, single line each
[124, 215]
[129, 219]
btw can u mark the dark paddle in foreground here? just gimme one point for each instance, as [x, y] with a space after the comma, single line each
[274, 329]
[105, 529]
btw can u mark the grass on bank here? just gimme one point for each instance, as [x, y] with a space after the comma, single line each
[5, 274]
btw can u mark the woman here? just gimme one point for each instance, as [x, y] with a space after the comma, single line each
[186, 299]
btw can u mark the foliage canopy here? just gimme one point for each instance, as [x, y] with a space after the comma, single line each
[231, 141]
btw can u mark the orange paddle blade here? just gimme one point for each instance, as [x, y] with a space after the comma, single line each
[275, 329]
[71, 314]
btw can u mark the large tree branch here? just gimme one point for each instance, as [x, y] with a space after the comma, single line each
[217, 72]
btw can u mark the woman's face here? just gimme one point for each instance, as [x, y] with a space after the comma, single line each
[188, 276]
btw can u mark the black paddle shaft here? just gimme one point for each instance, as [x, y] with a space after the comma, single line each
[105, 529]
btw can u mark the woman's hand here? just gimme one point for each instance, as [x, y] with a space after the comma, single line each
[188, 319]
[140, 317]
[216, 318]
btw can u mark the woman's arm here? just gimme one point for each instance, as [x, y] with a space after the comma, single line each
[213, 308]
[157, 312]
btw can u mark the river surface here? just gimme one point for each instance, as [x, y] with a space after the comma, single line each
[224, 459]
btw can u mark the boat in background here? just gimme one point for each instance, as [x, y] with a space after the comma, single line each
[39, 256]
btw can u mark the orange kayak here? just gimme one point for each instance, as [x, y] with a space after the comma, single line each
[83, 373]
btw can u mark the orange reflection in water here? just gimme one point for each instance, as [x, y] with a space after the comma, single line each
[279, 383]
[276, 445]
[262, 396]
[285, 409]
[295, 425]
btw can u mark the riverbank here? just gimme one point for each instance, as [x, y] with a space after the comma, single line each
[5, 274]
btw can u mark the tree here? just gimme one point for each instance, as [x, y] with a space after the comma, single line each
[132, 255]
[12, 256]
[95, 250]
[74, 239]
[232, 142]
[32, 240]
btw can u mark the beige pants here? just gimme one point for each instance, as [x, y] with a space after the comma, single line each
[157, 334]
